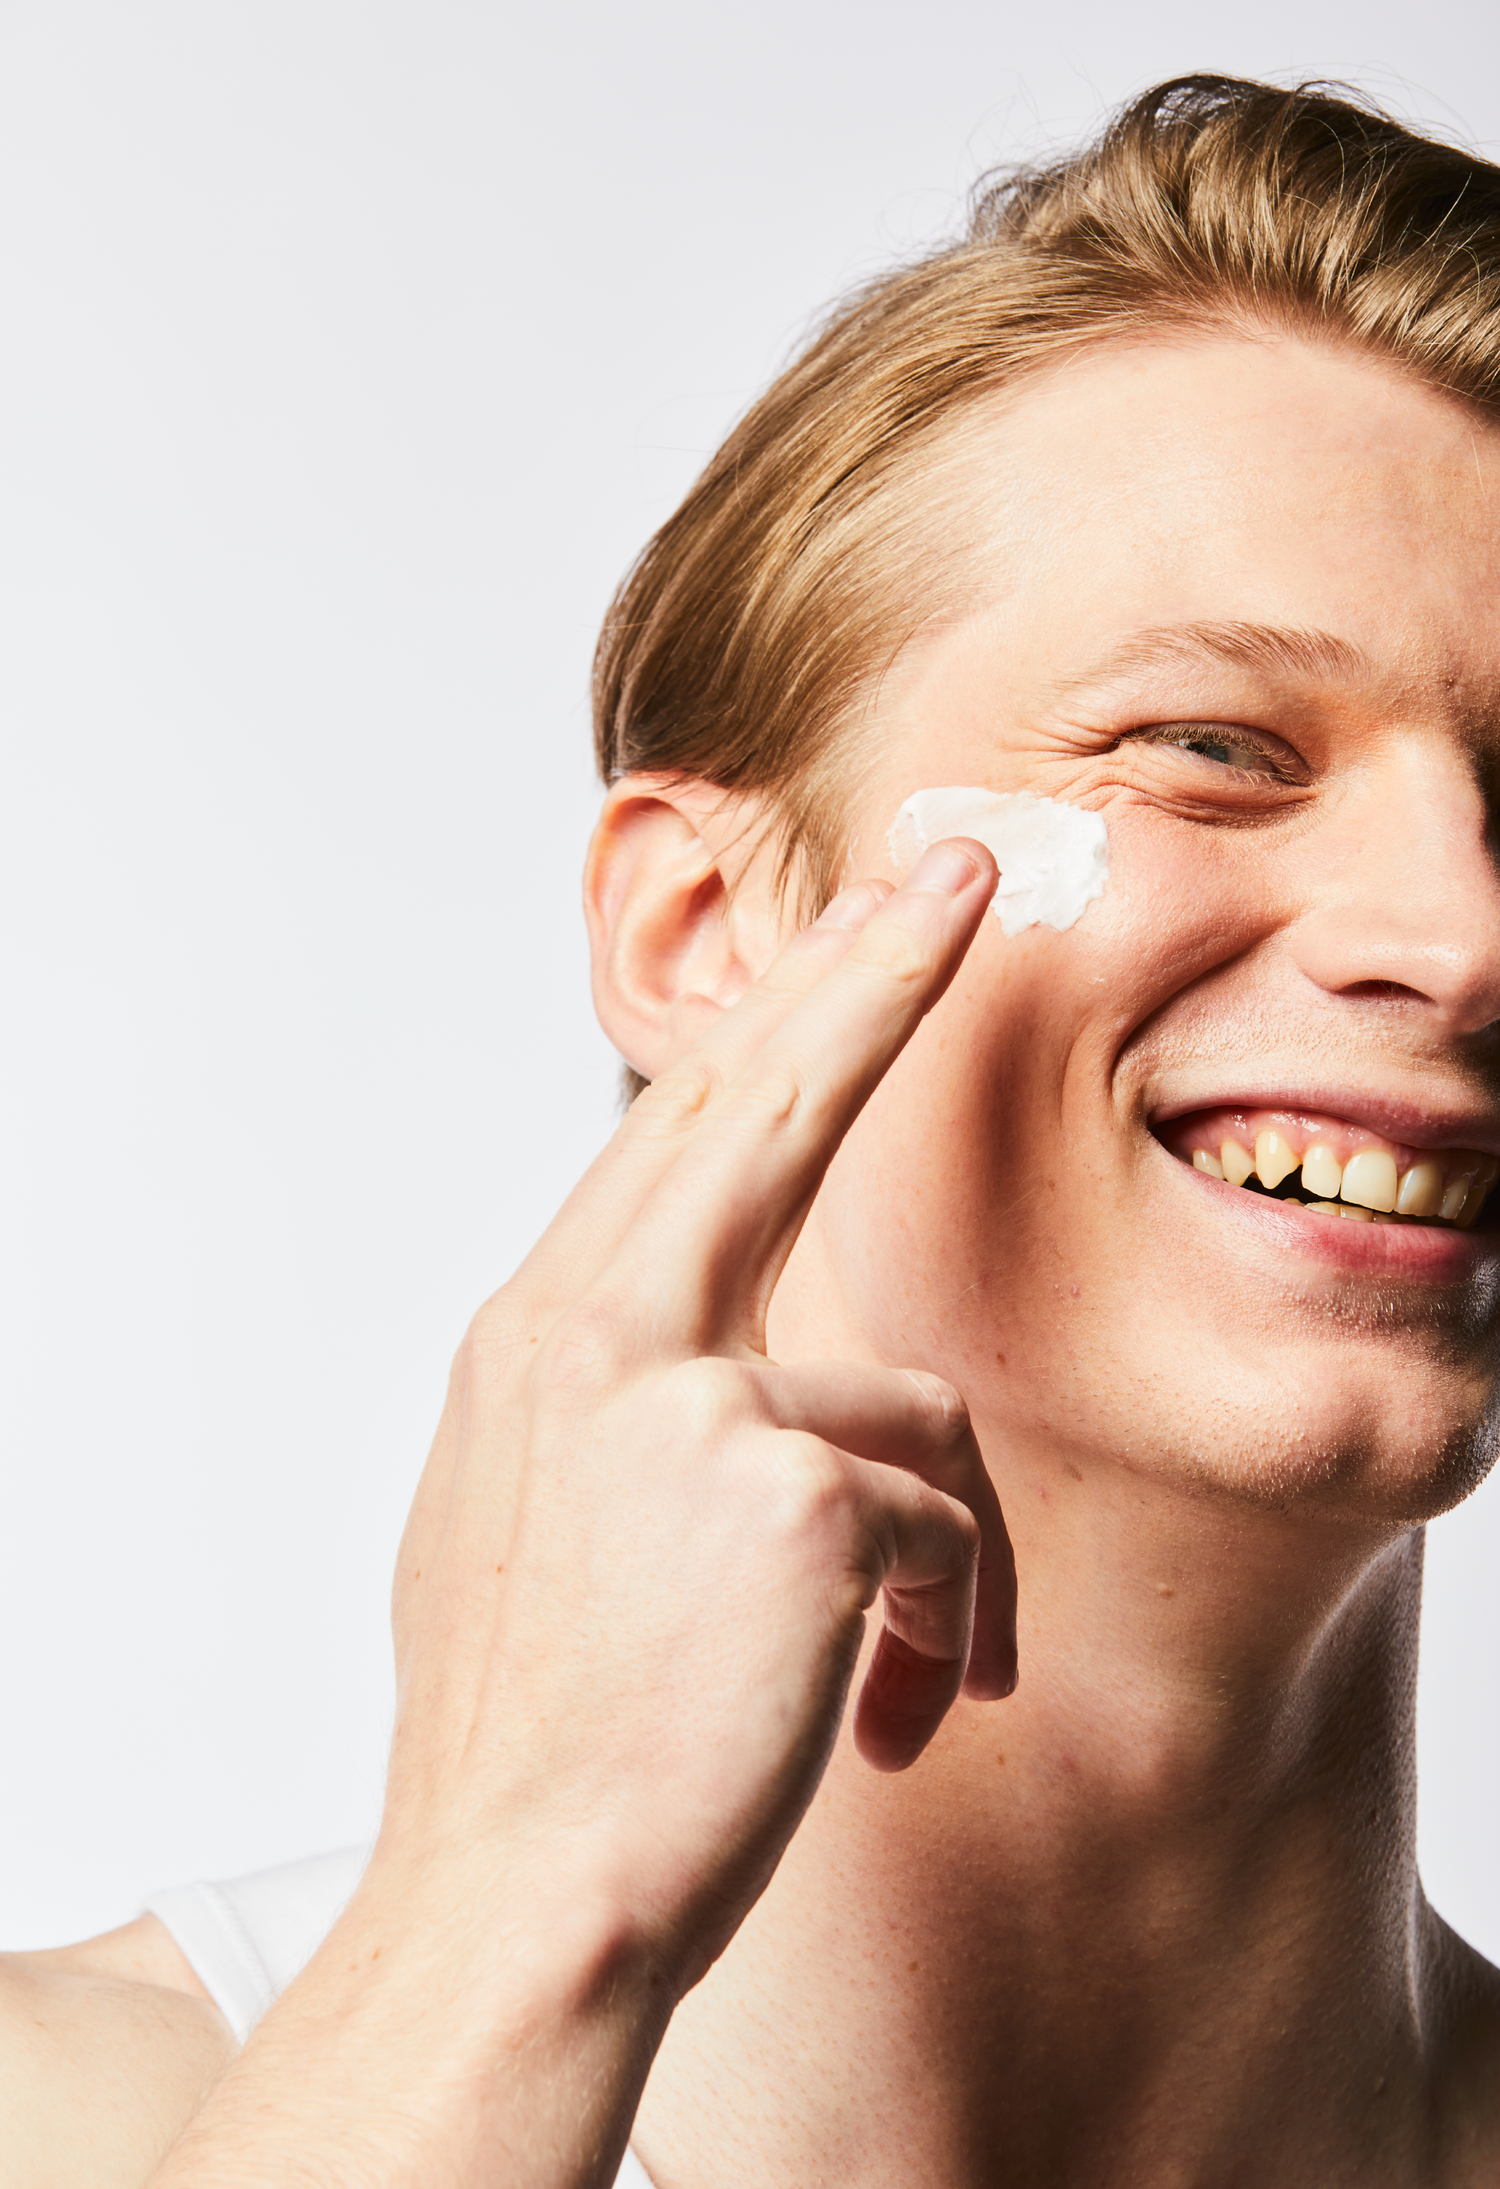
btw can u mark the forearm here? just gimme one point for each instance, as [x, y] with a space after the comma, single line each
[604, 1742]
[439, 2039]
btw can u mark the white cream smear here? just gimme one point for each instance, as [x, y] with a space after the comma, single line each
[1053, 858]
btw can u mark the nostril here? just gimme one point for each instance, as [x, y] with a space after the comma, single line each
[1382, 991]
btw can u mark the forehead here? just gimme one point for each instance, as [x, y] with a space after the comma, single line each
[1275, 483]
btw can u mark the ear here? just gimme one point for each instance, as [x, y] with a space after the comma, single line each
[678, 923]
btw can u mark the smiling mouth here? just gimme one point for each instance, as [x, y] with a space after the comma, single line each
[1335, 1169]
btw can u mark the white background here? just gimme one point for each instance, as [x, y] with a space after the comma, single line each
[349, 349]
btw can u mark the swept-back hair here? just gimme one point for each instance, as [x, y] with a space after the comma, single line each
[739, 647]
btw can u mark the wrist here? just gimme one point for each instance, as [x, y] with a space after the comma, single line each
[504, 1941]
[456, 2025]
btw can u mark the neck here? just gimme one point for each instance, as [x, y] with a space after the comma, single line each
[1156, 1917]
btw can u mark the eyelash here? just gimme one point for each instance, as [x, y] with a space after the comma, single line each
[1194, 736]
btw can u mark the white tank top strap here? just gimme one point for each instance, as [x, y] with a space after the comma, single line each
[247, 1937]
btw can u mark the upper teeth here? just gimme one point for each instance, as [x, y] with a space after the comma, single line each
[1451, 1186]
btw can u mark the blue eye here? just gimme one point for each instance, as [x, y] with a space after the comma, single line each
[1213, 744]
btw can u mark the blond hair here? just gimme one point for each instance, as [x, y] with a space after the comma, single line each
[739, 647]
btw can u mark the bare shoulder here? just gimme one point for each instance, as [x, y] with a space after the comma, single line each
[106, 2050]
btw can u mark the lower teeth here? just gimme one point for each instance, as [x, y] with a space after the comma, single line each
[1350, 1211]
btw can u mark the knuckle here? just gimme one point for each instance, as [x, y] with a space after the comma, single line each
[944, 1409]
[494, 1343]
[506, 1333]
[814, 1492]
[585, 1353]
[711, 1395]
[775, 1099]
[893, 951]
[676, 1100]
[970, 1537]
[495, 1329]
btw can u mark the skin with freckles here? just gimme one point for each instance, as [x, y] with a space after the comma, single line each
[1158, 1920]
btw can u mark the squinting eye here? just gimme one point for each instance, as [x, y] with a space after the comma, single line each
[1215, 744]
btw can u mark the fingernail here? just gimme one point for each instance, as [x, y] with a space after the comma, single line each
[944, 869]
[852, 907]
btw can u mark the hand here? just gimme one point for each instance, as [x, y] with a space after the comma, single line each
[628, 1607]
[634, 1582]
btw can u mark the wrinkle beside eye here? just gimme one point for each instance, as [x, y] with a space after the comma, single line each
[1221, 746]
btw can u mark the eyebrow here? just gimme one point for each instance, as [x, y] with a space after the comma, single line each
[1266, 648]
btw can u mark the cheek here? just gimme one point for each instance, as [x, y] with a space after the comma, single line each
[1184, 900]
[994, 1168]
[950, 1200]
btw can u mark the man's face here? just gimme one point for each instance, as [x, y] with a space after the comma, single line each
[1245, 603]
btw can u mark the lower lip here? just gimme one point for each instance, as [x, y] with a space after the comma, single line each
[1420, 1252]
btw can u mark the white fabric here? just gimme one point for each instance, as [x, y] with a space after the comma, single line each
[247, 1938]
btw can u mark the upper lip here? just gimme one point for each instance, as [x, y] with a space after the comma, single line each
[1412, 1121]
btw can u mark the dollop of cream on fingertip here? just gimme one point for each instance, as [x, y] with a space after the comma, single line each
[1053, 858]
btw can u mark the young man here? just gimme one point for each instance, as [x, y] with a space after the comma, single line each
[1170, 496]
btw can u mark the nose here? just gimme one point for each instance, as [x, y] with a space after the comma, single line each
[1405, 903]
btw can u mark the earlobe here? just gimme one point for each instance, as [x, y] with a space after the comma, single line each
[668, 936]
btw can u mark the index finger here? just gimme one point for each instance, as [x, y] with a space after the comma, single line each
[601, 1209]
[708, 1247]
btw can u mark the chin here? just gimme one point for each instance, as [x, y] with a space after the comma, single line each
[1390, 1447]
